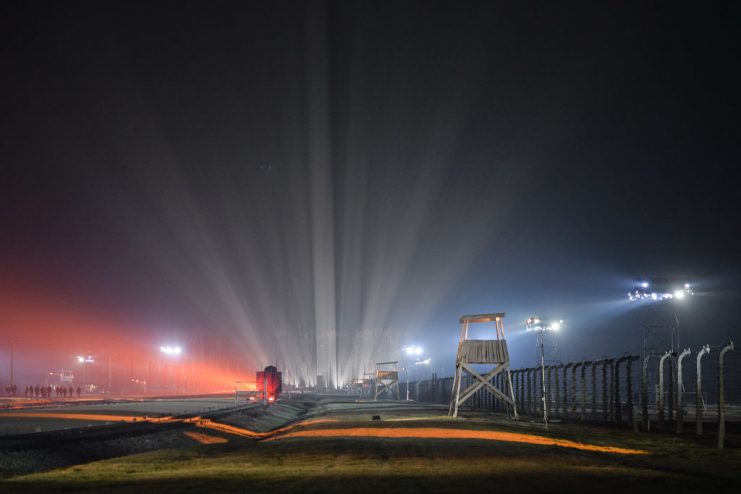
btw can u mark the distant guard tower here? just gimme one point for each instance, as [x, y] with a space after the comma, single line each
[485, 352]
[387, 379]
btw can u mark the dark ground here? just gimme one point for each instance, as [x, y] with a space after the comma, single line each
[264, 452]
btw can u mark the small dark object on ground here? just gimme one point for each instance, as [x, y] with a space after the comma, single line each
[376, 417]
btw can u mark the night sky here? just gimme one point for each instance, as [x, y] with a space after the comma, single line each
[323, 183]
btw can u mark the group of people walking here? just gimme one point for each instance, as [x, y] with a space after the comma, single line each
[45, 391]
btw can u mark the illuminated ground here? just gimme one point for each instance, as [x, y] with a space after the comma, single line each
[333, 446]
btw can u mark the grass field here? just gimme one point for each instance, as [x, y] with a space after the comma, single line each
[342, 453]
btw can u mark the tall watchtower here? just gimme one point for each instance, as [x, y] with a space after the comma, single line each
[490, 352]
[387, 379]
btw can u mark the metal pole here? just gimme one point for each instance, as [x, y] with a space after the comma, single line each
[680, 391]
[698, 389]
[721, 397]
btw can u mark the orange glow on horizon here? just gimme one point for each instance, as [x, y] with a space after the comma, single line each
[49, 332]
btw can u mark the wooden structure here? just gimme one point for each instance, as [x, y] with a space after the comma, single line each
[387, 379]
[492, 352]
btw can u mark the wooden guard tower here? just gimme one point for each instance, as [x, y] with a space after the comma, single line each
[489, 352]
[387, 379]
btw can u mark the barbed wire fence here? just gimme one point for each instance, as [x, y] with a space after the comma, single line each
[672, 393]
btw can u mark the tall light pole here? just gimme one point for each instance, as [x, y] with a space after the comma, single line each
[412, 351]
[426, 362]
[172, 351]
[84, 360]
[110, 373]
[11, 364]
[657, 290]
[541, 326]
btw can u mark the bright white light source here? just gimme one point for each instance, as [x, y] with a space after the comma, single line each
[644, 284]
[171, 350]
[556, 326]
[679, 294]
[81, 359]
[686, 286]
[413, 350]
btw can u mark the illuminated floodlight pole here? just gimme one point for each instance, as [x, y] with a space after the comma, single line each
[171, 351]
[540, 326]
[656, 290]
[411, 351]
[84, 360]
[11, 363]
[426, 362]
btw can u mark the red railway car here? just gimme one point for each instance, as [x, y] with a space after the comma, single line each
[269, 384]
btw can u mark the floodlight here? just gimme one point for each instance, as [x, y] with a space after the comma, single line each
[662, 289]
[80, 359]
[171, 350]
[537, 323]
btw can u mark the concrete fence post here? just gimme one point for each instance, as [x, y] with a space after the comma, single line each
[583, 393]
[629, 391]
[644, 393]
[698, 389]
[721, 397]
[617, 412]
[618, 405]
[612, 389]
[661, 387]
[531, 390]
[594, 389]
[566, 390]
[670, 393]
[680, 390]
[574, 392]
[557, 388]
[605, 406]
[521, 373]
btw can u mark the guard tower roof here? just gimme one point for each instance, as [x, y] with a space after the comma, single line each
[482, 317]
